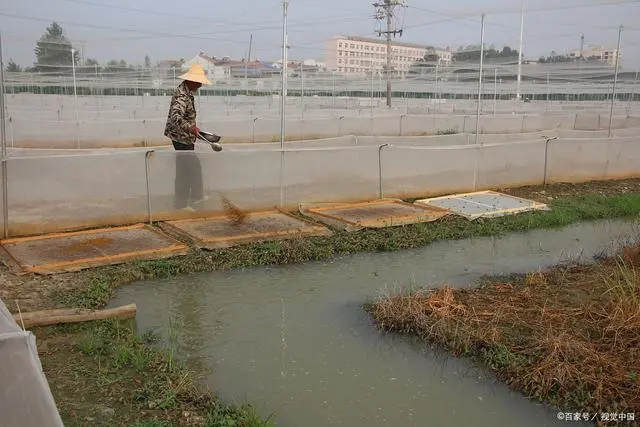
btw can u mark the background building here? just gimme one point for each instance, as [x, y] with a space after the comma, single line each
[362, 55]
[211, 68]
[601, 54]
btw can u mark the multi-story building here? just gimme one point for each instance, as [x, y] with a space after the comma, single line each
[601, 54]
[348, 54]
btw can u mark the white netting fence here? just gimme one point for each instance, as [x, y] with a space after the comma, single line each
[78, 136]
[87, 188]
[41, 111]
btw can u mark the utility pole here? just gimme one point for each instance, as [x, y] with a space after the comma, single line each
[495, 90]
[480, 79]
[3, 136]
[518, 96]
[246, 65]
[283, 95]
[75, 91]
[3, 159]
[386, 10]
[581, 58]
[283, 72]
[615, 80]
[633, 93]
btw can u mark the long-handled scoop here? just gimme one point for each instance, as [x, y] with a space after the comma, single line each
[212, 139]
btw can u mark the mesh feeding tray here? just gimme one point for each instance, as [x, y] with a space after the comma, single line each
[51, 253]
[374, 214]
[220, 232]
[483, 204]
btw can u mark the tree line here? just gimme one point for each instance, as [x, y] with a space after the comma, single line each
[53, 52]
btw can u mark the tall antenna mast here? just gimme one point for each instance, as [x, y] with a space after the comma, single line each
[386, 10]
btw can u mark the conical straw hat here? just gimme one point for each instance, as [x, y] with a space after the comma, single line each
[196, 74]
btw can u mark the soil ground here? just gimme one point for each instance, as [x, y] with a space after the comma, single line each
[547, 193]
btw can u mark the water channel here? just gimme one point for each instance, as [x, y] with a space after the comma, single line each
[294, 340]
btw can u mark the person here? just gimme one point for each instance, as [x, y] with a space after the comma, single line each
[181, 128]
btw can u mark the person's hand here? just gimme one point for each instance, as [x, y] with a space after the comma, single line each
[196, 131]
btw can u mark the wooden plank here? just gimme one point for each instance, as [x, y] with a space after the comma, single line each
[73, 315]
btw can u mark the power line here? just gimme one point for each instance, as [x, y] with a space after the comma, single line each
[308, 45]
[103, 27]
[315, 22]
[146, 11]
[196, 36]
[251, 25]
[506, 11]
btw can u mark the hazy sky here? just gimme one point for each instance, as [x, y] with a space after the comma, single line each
[162, 29]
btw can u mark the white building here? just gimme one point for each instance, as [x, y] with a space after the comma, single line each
[213, 71]
[348, 54]
[312, 63]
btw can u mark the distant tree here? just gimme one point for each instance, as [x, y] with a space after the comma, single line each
[472, 53]
[53, 50]
[114, 66]
[91, 67]
[426, 64]
[147, 62]
[471, 48]
[556, 58]
[507, 51]
[12, 67]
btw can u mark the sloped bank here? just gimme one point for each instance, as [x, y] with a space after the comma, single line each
[568, 336]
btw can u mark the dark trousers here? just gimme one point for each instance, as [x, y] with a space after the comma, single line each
[188, 183]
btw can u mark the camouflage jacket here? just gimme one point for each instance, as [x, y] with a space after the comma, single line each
[182, 116]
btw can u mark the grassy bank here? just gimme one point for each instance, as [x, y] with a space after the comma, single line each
[102, 374]
[565, 211]
[569, 336]
[82, 361]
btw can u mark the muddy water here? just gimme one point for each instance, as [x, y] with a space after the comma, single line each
[294, 340]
